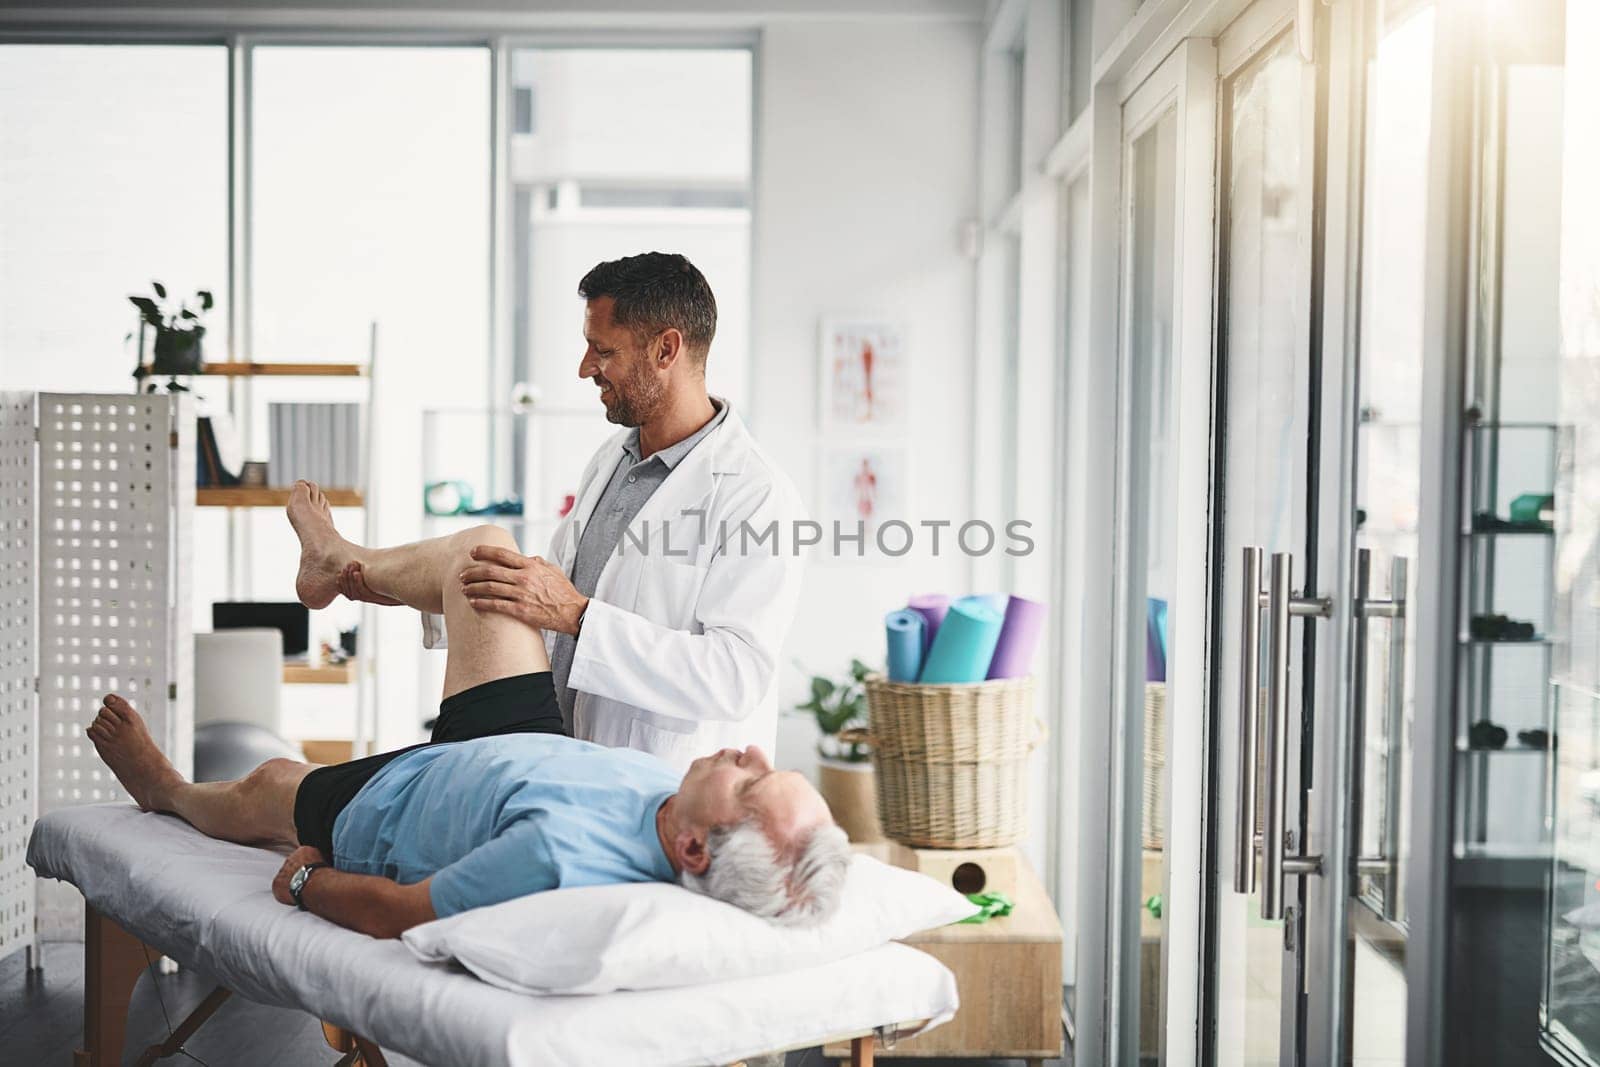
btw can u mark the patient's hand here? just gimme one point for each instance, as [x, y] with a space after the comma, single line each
[300, 857]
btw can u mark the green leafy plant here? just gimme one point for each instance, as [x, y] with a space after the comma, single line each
[178, 329]
[167, 317]
[838, 704]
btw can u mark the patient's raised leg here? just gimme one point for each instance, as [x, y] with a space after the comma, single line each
[425, 575]
[256, 809]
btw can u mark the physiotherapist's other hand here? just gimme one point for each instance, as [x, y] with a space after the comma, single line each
[528, 588]
[353, 584]
[300, 857]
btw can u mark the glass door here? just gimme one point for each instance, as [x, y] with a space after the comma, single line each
[1139, 893]
[1265, 452]
[1323, 224]
[1147, 387]
[1398, 72]
[1570, 994]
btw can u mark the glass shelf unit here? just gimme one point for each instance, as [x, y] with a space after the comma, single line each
[1509, 572]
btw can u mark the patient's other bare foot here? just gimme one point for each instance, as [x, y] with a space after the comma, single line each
[323, 552]
[124, 742]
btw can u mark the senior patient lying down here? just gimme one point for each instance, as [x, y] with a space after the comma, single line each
[443, 827]
[501, 803]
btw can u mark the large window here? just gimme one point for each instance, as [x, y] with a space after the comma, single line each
[615, 152]
[369, 207]
[363, 225]
[113, 173]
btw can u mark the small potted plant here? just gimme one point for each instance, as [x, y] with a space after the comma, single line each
[179, 331]
[844, 768]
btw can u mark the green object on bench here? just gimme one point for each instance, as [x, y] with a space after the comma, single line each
[992, 905]
[1527, 507]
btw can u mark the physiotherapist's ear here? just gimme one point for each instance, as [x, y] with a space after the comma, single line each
[671, 348]
[693, 856]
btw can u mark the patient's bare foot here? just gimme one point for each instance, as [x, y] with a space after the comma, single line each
[124, 742]
[323, 552]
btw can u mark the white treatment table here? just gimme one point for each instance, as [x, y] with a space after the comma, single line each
[152, 880]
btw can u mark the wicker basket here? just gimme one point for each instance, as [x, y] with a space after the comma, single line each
[951, 760]
[1154, 822]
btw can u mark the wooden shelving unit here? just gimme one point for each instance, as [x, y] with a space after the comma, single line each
[278, 370]
[356, 673]
[326, 674]
[242, 496]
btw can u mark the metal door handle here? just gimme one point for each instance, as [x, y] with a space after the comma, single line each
[1282, 606]
[1387, 861]
[1395, 708]
[1244, 840]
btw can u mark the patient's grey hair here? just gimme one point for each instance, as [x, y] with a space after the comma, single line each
[801, 888]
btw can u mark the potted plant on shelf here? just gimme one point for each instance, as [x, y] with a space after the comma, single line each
[844, 768]
[179, 332]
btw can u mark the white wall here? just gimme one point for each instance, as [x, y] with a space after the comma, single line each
[865, 171]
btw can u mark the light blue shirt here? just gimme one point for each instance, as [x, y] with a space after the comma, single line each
[502, 817]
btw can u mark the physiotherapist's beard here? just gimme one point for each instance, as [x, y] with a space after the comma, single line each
[636, 399]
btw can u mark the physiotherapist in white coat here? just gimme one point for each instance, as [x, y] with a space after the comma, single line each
[672, 582]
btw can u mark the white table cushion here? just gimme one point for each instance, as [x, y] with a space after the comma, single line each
[208, 904]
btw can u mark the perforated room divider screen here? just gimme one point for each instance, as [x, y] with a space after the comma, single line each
[18, 715]
[115, 491]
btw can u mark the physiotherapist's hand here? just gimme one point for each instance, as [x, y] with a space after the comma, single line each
[352, 583]
[527, 588]
[300, 857]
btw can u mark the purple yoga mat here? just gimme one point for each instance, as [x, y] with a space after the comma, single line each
[1019, 637]
[932, 607]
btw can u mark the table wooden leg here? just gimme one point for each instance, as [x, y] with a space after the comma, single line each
[186, 1029]
[861, 1051]
[113, 959]
[371, 1054]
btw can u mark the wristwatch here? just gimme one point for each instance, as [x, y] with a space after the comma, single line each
[298, 880]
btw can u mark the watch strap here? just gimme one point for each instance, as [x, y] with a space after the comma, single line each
[304, 879]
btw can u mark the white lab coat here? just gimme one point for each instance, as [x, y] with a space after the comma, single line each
[679, 651]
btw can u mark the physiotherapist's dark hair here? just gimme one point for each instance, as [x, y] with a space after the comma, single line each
[655, 291]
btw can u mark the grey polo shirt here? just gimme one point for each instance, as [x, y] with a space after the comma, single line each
[632, 483]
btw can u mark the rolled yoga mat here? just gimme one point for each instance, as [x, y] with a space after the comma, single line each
[1155, 640]
[997, 601]
[932, 608]
[1019, 637]
[964, 645]
[905, 629]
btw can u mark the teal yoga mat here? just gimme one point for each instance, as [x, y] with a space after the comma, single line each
[904, 628]
[965, 643]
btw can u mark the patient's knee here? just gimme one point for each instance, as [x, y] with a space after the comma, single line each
[486, 534]
[273, 772]
[475, 537]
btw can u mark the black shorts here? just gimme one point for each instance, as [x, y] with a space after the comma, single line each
[521, 704]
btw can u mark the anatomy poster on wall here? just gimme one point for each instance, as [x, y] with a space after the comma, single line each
[868, 484]
[863, 375]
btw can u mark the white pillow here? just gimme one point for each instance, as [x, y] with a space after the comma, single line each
[654, 935]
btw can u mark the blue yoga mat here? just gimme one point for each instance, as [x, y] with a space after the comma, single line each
[996, 601]
[965, 643]
[1155, 640]
[905, 644]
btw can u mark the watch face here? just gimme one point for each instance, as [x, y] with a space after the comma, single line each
[297, 881]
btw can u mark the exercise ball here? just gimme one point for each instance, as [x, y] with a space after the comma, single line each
[227, 750]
